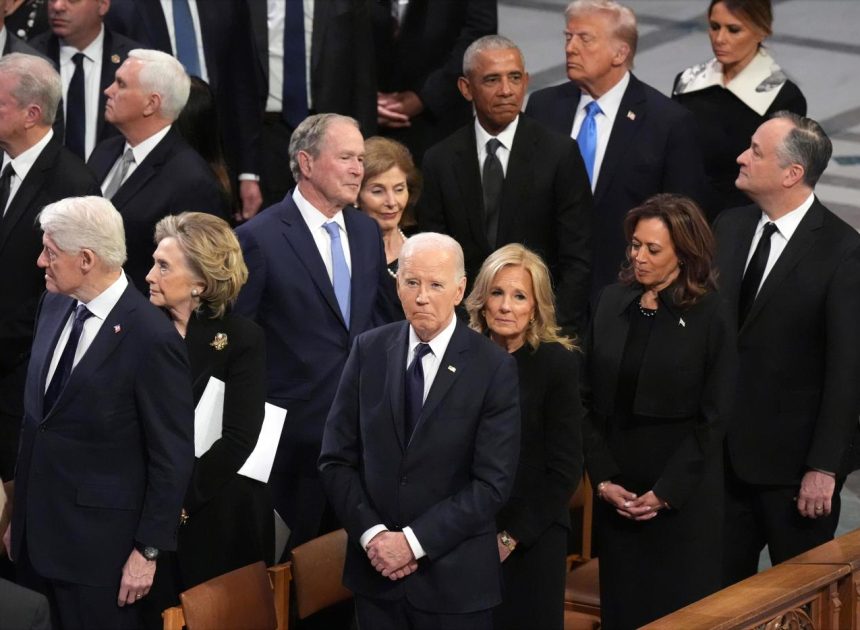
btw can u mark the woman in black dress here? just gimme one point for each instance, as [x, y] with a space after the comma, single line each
[227, 518]
[736, 91]
[512, 301]
[658, 381]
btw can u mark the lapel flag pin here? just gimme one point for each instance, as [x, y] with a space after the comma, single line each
[117, 329]
[682, 323]
[631, 115]
[451, 368]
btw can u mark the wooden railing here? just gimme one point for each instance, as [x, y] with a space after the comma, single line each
[819, 589]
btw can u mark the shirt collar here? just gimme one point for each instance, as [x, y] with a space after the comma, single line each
[24, 162]
[91, 52]
[103, 303]
[609, 102]
[506, 136]
[438, 344]
[313, 217]
[4, 36]
[145, 147]
[787, 223]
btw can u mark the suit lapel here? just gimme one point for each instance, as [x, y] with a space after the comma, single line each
[468, 175]
[156, 25]
[395, 375]
[517, 188]
[362, 258]
[733, 263]
[45, 353]
[146, 170]
[321, 19]
[260, 26]
[209, 29]
[629, 120]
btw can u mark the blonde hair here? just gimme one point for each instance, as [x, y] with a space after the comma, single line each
[213, 254]
[543, 328]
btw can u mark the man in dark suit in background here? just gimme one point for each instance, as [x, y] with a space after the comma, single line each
[150, 171]
[87, 55]
[107, 441]
[213, 40]
[419, 51]
[419, 453]
[40, 171]
[790, 278]
[506, 179]
[340, 80]
[635, 141]
[315, 264]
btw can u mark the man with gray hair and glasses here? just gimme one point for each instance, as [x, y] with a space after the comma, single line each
[150, 171]
[790, 279]
[36, 170]
[107, 440]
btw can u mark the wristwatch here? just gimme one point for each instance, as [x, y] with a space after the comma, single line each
[148, 552]
[507, 541]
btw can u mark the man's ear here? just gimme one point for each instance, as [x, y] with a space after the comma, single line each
[465, 88]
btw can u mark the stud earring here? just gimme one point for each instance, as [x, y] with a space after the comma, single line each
[194, 292]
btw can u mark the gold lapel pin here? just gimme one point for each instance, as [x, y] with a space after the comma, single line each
[114, 58]
[220, 341]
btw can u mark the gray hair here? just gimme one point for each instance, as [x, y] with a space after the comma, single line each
[309, 136]
[38, 83]
[487, 42]
[164, 75]
[77, 223]
[622, 17]
[436, 242]
[806, 144]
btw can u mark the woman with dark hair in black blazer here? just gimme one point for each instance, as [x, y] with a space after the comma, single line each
[512, 301]
[658, 384]
[227, 518]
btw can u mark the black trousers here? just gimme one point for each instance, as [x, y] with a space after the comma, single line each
[377, 614]
[757, 515]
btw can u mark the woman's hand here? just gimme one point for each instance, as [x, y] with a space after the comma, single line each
[615, 495]
[645, 507]
[504, 550]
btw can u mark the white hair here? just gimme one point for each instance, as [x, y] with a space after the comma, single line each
[77, 223]
[164, 75]
[436, 242]
[38, 83]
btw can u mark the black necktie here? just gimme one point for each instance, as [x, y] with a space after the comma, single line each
[64, 365]
[754, 273]
[492, 178]
[5, 187]
[76, 110]
[415, 390]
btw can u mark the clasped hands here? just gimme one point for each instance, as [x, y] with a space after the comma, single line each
[390, 554]
[628, 505]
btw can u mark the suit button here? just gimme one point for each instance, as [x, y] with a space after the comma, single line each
[43, 428]
[403, 480]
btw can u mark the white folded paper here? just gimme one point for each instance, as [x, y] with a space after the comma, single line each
[209, 421]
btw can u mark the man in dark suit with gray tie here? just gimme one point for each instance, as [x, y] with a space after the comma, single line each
[790, 279]
[419, 453]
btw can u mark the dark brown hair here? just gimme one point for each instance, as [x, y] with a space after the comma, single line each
[381, 154]
[758, 14]
[691, 237]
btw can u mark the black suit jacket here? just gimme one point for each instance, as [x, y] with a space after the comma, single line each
[446, 484]
[228, 47]
[343, 77]
[55, 174]
[652, 149]
[172, 179]
[18, 45]
[797, 398]
[546, 205]
[108, 465]
[115, 51]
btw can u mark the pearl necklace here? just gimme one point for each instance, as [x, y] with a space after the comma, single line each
[393, 274]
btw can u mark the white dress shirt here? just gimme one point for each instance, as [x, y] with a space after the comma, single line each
[315, 219]
[167, 9]
[430, 364]
[506, 137]
[275, 20]
[100, 306]
[609, 103]
[786, 225]
[140, 152]
[92, 84]
[3, 38]
[22, 164]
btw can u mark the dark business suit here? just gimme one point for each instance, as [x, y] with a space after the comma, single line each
[56, 174]
[652, 149]
[546, 205]
[446, 483]
[115, 50]
[228, 47]
[425, 56]
[108, 465]
[290, 295]
[797, 399]
[172, 179]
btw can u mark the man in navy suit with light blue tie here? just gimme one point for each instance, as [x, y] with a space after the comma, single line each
[314, 264]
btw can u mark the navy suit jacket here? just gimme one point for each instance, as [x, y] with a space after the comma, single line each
[652, 149]
[228, 47]
[109, 464]
[446, 483]
[172, 179]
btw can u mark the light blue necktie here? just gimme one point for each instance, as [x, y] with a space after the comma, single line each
[340, 272]
[587, 138]
[186, 40]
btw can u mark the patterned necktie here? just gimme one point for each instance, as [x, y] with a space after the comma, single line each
[754, 273]
[587, 138]
[119, 175]
[186, 38]
[492, 179]
[294, 108]
[67, 358]
[76, 110]
[340, 272]
[414, 390]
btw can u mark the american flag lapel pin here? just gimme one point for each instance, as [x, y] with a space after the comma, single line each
[117, 329]
[452, 369]
[631, 115]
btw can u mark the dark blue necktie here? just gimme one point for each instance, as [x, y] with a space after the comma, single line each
[76, 110]
[67, 359]
[339, 270]
[186, 38]
[414, 390]
[587, 138]
[294, 108]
